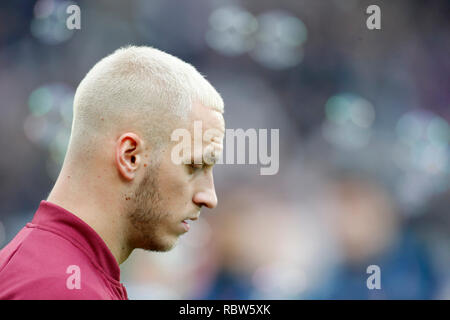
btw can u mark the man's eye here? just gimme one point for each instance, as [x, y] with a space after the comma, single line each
[195, 167]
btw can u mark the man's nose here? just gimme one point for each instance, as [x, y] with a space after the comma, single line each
[207, 199]
[206, 196]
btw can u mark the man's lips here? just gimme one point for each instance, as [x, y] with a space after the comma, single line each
[186, 224]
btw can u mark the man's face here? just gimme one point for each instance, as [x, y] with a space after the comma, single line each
[170, 194]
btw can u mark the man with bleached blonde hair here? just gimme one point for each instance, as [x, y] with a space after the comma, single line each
[118, 188]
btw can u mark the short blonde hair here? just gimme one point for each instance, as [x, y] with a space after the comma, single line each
[138, 88]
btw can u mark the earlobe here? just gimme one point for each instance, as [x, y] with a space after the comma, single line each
[128, 149]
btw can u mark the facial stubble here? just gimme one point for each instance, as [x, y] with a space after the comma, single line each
[147, 214]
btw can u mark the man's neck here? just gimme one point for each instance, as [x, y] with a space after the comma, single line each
[101, 214]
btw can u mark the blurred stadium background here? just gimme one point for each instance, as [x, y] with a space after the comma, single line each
[364, 139]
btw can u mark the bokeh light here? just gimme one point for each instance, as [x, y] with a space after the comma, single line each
[279, 40]
[49, 22]
[425, 138]
[279, 280]
[231, 30]
[49, 122]
[274, 38]
[40, 101]
[349, 119]
[438, 131]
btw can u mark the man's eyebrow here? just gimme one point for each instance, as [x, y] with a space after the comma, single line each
[210, 159]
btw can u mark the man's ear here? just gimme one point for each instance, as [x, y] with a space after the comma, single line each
[128, 154]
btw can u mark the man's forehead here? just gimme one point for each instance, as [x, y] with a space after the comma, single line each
[210, 118]
[213, 125]
[221, 121]
[207, 132]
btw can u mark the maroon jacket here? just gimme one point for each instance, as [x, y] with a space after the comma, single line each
[58, 256]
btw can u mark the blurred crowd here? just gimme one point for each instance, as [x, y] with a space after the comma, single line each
[363, 117]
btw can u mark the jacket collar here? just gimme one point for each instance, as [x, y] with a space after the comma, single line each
[54, 218]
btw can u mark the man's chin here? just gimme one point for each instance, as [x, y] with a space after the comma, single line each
[162, 245]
